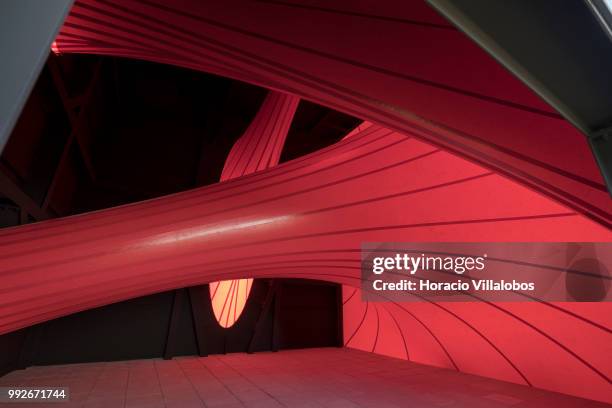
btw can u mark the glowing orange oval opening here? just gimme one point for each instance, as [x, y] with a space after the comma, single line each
[228, 299]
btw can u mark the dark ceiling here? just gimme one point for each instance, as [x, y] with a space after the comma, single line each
[98, 132]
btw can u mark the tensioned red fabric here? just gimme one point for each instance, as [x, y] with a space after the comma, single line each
[307, 218]
[397, 63]
[394, 63]
[394, 329]
[258, 149]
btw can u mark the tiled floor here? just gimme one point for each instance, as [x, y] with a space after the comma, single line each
[333, 378]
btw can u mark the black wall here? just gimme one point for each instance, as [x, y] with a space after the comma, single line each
[279, 314]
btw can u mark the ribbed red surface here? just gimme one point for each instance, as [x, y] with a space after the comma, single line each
[307, 218]
[258, 149]
[261, 145]
[397, 64]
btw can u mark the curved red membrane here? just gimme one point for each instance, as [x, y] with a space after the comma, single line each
[307, 218]
[399, 65]
[259, 148]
